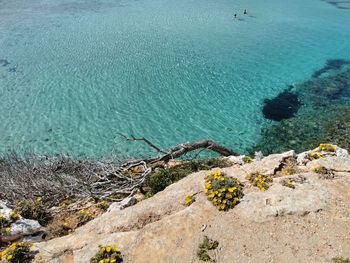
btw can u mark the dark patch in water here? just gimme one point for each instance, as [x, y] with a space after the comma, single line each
[332, 64]
[340, 4]
[283, 106]
[324, 117]
[4, 62]
[12, 70]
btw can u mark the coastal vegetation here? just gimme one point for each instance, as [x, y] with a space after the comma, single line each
[223, 191]
[107, 254]
[17, 252]
[205, 247]
[260, 180]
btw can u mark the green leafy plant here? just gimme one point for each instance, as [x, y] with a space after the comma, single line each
[103, 205]
[340, 260]
[159, 180]
[203, 249]
[288, 184]
[33, 210]
[223, 191]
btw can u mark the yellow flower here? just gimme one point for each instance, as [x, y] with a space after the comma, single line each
[101, 261]
[108, 249]
[115, 249]
[7, 229]
[103, 249]
[12, 246]
[9, 257]
[232, 189]
[113, 260]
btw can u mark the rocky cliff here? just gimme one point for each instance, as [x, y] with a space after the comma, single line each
[303, 216]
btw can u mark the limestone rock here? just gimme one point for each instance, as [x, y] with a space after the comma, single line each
[307, 224]
[269, 164]
[23, 228]
[126, 202]
[310, 196]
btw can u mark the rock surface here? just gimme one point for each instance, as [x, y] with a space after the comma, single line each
[310, 223]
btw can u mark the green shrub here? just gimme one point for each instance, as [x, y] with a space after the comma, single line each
[204, 247]
[159, 180]
[340, 260]
[33, 210]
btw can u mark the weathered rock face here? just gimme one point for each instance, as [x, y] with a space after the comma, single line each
[307, 224]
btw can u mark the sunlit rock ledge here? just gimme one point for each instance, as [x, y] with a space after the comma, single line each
[303, 216]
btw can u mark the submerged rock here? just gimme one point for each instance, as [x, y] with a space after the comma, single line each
[331, 64]
[4, 62]
[283, 106]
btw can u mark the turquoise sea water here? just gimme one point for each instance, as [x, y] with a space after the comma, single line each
[80, 71]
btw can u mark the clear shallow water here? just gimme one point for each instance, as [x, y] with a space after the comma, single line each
[172, 71]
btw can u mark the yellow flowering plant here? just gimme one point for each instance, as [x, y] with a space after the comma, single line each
[5, 222]
[84, 216]
[247, 159]
[107, 254]
[223, 191]
[260, 180]
[189, 199]
[18, 252]
[288, 184]
[320, 169]
[323, 147]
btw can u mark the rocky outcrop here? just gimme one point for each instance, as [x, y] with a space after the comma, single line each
[309, 223]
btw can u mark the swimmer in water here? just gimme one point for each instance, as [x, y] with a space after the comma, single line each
[245, 11]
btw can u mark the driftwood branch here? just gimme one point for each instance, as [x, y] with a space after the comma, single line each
[185, 148]
[148, 142]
